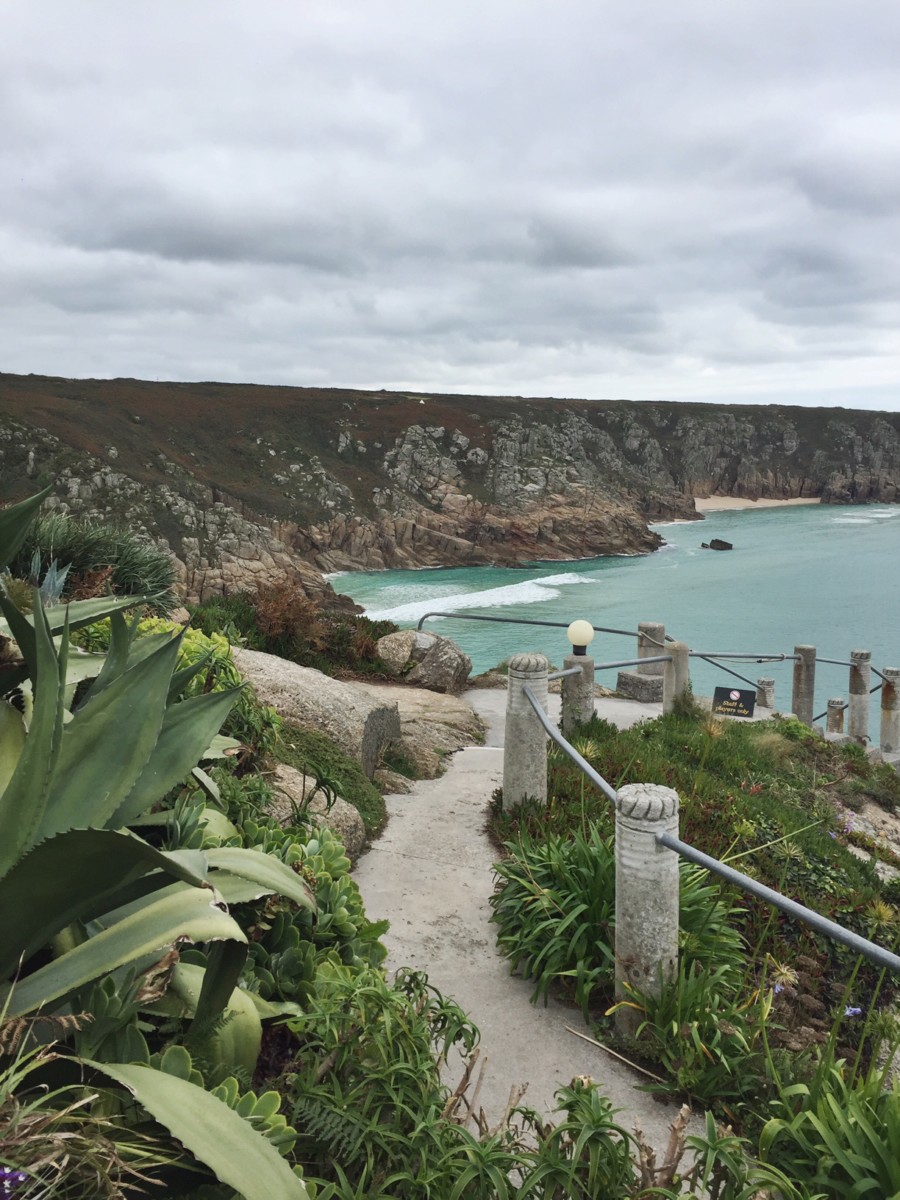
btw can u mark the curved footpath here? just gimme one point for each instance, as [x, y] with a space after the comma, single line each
[430, 876]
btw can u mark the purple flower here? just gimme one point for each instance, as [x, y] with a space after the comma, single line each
[832, 834]
[848, 826]
[11, 1180]
[778, 988]
[850, 1011]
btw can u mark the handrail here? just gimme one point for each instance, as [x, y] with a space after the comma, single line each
[595, 777]
[709, 655]
[563, 674]
[633, 662]
[846, 704]
[871, 950]
[521, 621]
[877, 954]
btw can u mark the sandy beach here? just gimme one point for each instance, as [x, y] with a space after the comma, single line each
[705, 504]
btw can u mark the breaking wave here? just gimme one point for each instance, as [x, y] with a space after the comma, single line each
[530, 591]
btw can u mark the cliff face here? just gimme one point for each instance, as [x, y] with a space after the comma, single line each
[245, 482]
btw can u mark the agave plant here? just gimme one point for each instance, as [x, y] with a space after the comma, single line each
[82, 897]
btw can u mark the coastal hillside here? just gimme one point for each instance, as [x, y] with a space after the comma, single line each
[240, 480]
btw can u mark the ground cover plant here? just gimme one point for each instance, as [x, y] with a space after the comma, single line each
[779, 1031]
[279, 618]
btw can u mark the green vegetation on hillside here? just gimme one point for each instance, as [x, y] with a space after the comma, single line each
[765, 1021]
[280, 619]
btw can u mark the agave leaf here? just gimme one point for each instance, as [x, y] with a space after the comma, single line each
[236, 1041]
[178, 913]
[125, 651]
[14, 524]
[208, 784]
[23, 803]
[240, 1157]
[18, 626]
[65, 879]
[187, 728]
[265, 871]
[82, 612]
[220, 747]
[116, 659]
[183, 677]
[12, 741]
[224, 964]
[107, 744]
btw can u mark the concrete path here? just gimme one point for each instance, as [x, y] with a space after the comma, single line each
[430, 875]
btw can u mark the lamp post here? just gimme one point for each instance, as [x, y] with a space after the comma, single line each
[578, 690]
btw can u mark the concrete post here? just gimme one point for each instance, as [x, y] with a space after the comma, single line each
[646, 894]
[803, 695]
[765, 693]
[577, 692]
[651, 642]
[890, 711]
[525, 741]
[860, 682]
[834, 720]
[677, 675]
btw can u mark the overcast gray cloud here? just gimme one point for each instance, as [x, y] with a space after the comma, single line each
[592, 198]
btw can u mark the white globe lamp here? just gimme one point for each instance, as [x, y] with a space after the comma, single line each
[580, 634]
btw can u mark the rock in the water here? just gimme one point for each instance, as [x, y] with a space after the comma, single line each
[443, 669]
[360, 725]
[292, 788]
[720, 544]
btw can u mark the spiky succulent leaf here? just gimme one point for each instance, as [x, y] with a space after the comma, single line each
[67, 879]
[263, 872]
[212, 1132]
[106, 745]
[187, 730]
[232, 1043]
[24, 801]
[170, 916]
[14, 523]
[12, 741]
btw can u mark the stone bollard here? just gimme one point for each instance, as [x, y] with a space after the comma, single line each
[646, 895]
[858, 708]
[834, 720]
[677, 675]
[890, 711]
[525, 741]
[803, 694]
[651, 643]
[765, 693]
[577, 693]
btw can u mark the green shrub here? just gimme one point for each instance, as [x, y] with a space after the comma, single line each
[101, 558]
[314, 753]
[279, 618]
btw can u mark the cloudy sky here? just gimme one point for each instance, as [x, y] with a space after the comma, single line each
[651, 199]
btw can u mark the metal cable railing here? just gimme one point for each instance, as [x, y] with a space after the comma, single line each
[872, 951]
[520, 621]
[846, 705]
[708, 656]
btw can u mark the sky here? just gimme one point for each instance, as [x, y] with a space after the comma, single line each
[644, 199]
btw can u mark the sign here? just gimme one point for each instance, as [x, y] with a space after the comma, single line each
[733, 702]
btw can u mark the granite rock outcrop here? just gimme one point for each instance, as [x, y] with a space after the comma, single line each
[243, 483]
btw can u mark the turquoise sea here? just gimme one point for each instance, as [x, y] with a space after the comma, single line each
[815, 574]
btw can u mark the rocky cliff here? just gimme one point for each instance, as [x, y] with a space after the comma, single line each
[243, 482]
